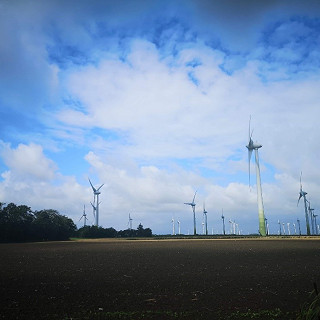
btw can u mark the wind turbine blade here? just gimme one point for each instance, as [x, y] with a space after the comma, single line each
[194, 197]
[300, 196]
[93, 188]
[100, 187]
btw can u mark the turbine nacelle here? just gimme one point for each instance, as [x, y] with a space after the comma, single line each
[253, 145]
[95, 191]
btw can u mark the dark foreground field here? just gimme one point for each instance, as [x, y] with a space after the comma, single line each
[177, 279]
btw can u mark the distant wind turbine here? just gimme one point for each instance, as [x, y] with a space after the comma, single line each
[288, 225]
[280, 232]
[284, 230]
[84, 216]
[315, 223]
[299, 226]
[223, 225]
[267, 226]
[205, 218]
[178, 222]
[96, 202]
[302, 194]
[255, 146]
[310, 210]
[173, 229]
[294, 228]
[130, 222]
[193, 205]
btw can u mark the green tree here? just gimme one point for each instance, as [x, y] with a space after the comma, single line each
[141, 232]
[92, 232]
[16, 223]
[50, 225]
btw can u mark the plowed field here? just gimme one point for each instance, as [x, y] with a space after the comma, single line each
[163, 279]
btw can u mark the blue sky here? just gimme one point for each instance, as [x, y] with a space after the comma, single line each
[153, 99]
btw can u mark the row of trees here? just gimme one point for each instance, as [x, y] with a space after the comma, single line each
[20, 223]
[92, 232]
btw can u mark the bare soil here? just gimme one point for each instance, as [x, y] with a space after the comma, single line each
[136, 279]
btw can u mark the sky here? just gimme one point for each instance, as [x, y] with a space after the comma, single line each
[153, 100]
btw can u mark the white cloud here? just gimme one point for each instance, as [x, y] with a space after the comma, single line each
[28, 161]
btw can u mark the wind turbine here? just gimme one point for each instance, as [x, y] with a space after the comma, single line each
[223, 225]
[284, 230]
[94, 208]
[299, 226]
[205, 218]
[130, 222]
[315, 223]
[255, 146]
[280, 232]
[303, 194]
[84, 216]
[96, 194]
[178, 222]
[267, 226]
[311, 214]
[294, 228]
[173, 229]
[193, 205]
[288, 225]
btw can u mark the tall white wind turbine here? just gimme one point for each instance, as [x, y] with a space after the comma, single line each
[223, 225]
[193, 205]
[255, 146]
[311, 215]
[173, 228]
[302, 194]
[179, 230]
[96, 204]
[130, 222]
[205, 219]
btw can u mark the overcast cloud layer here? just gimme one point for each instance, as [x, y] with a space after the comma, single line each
[153, 99]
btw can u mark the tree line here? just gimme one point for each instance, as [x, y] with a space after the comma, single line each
[18, 223]
[92, 232]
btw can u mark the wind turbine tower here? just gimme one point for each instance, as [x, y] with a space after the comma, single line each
[96, 193]
[223, 225]
[193, 205]
[302, 194]
[315, 223]
[205, 218]
[254, 146]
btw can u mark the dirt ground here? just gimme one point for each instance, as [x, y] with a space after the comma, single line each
[133, 279]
